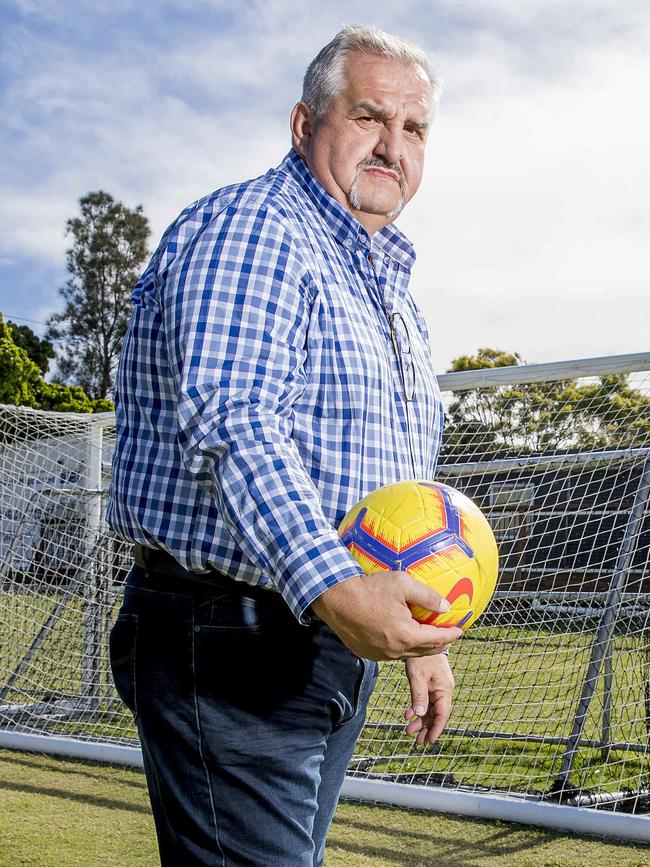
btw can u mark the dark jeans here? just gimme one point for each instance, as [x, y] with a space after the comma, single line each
[247, 720]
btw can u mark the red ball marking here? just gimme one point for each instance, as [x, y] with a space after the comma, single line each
[376, 533]
[446, 554]
[387, 542]
[381, 567]
[443, 511]
[426, 534]
[428, 619]
[463, 587]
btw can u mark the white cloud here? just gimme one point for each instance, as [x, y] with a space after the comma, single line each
[531, 225]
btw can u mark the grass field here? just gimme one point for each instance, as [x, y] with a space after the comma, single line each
[521, 682]
[524, 680]
[76, 814]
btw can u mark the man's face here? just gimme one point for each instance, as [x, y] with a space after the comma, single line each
[368, 150]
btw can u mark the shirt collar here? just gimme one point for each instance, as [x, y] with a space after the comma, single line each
[348, 231]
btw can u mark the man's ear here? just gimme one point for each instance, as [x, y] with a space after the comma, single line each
[302, 123]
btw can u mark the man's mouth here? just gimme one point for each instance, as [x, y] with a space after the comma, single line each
[383, 173]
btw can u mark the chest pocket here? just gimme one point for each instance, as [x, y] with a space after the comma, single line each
[349, 364]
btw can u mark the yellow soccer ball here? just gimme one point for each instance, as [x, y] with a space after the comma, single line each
[437, 535]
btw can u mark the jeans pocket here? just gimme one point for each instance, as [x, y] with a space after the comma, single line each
[122, 650]
[227, 656]
[251, 654]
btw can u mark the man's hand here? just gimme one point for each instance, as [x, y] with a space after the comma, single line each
[432, 685]
[371, 616]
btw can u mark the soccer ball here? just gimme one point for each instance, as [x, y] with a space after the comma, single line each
[437, 535]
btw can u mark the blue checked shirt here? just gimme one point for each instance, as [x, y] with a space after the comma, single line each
[259, 394]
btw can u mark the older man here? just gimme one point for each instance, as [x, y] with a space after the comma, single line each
[275, 371]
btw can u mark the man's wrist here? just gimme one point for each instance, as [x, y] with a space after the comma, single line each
[320, 602]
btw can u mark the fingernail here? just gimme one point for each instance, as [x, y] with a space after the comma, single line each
[444, 605]
[420, 710]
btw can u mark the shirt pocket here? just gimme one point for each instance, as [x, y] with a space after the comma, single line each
[349, 357]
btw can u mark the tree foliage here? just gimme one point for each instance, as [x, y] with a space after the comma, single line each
[543, 416]
[39, 349]
[19, 375]
[108, 248]
[21, 383]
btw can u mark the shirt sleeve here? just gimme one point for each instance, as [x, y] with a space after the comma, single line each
[236, 306]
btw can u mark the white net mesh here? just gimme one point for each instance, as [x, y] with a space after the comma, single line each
[552, 696]
[553, 692]
[61, 573]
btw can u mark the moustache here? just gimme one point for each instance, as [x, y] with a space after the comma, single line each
[379, 163]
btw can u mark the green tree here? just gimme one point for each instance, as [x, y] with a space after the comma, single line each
[543, 416]
[21, 383]
[20, 378]
[620, 414]
[39, 349]
[108, 248]
[485, 358]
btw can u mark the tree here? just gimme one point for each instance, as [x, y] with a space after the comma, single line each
[543, 416]
[19, 376]
[108, 249]
[21, 383]
[40, 350]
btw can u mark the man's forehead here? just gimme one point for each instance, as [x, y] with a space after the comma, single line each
[380, 80]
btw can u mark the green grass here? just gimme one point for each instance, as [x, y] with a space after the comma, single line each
[525, 682]
[509, 680]
[77, 814]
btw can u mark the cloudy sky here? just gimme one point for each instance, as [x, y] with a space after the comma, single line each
[532, 224]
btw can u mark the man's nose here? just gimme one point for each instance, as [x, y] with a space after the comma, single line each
[390, 144]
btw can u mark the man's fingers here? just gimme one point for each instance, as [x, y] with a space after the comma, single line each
[419, 705]
[416, 725]
[430, 678]
[438, 721]
[435, 729]
[371, 616]
[419, 699]
[429, 725]
[417, 593]
[426, 640]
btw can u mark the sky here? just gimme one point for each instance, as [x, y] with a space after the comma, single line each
[532, 223]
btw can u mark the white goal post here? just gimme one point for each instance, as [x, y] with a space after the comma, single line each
[551, 720]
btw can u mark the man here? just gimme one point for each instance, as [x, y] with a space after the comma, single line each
[275, 371]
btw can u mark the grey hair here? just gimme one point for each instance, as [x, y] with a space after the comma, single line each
[325, 76]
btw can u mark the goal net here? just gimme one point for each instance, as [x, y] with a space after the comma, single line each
[553, 683]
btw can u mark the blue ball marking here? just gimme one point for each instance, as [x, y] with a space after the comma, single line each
[412, 554]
